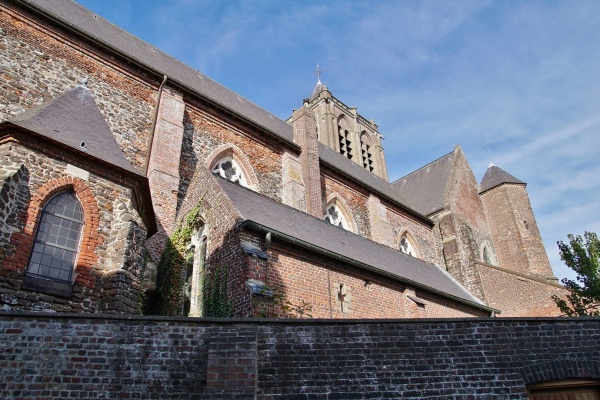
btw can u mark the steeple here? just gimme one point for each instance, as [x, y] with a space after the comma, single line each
[319, 86]
[495, 176]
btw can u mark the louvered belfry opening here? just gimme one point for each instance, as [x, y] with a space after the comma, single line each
[345, 143]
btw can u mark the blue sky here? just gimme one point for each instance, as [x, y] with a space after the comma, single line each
[513, 82]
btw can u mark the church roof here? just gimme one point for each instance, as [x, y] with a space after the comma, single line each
[367, 178]
[288, 224]
[425, 188]
[495, 176]
[73, 119]
[83, 21]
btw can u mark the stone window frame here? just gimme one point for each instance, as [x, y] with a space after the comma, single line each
[337, 201]
[231, 151]
[194, 282]
[87, 258]
[412, 244]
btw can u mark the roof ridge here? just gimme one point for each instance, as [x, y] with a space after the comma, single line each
[172, 57]
[426, 165]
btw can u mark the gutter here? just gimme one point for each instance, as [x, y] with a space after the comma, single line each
[322, 251]
[40, 11]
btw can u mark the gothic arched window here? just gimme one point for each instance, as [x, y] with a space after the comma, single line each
[57, 239]
[365, 148]
[345, 138]
[407, 247]
[229, 169]
[334, 216]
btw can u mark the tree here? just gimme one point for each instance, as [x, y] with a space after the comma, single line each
[582, 255]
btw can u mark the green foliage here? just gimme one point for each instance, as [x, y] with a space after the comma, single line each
[582, 255]
[167, 298]
[216, 302]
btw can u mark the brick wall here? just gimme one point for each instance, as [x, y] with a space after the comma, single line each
[518, 294]
[516, 236]
[41, 62]
[66, 356]
[206, 129]
[300, 276]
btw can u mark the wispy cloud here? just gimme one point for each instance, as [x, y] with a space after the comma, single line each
[514, 82]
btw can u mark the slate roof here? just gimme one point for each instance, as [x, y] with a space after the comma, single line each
[425, 188]
[73, 118]
[78, 18]
[495, 176]
[81, 19]
[367, 178]
[262, 211]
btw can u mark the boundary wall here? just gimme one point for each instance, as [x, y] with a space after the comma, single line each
[52, 355]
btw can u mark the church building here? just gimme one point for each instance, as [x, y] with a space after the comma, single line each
[132, 183]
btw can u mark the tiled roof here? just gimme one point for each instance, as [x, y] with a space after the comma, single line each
[335, 241]
[425, 188]
[495, 176]
[71, 119]
[77, 17]
[367, 178]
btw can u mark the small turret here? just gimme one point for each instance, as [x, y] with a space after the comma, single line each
[515, 233]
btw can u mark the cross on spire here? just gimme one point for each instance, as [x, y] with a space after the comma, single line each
[318, 73]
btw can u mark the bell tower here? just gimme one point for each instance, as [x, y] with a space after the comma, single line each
[342, 129]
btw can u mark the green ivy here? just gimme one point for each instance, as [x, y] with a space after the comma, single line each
[215, 299]
[166, 299]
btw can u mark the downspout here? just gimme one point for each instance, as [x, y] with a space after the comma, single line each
[154, 119]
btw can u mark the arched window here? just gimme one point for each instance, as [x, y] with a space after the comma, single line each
[57, 239]
[229, 169]
[334, 216]
[365, 148]
[195, 274]
[407, 247]
[344, 138]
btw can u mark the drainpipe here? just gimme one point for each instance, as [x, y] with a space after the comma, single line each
[154, 118]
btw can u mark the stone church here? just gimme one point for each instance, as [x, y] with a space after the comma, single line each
[133, 183]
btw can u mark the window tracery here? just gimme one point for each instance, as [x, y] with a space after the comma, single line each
[334, 216]
[229, 169]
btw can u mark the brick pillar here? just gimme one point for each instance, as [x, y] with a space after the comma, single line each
[305, 135]
[163, 168]
[231, 368]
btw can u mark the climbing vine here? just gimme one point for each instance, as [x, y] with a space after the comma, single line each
[215, 299]
[167, 298]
